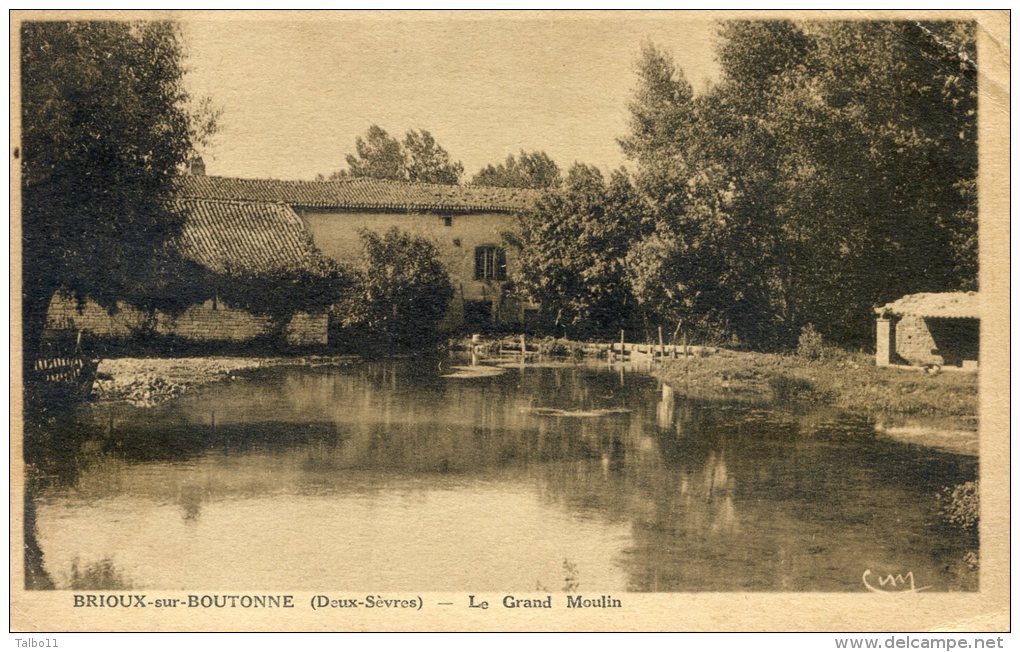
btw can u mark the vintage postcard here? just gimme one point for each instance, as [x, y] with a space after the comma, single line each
[519, 320]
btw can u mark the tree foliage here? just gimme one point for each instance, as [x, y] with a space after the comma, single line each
[418, 158]
[427, 162]
[401, 292]
[526, 170]
[106, 125]
[573, 248]
[831, 169]
[379, 156]
[661, 112]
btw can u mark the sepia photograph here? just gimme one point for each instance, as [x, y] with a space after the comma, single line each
[512, 315]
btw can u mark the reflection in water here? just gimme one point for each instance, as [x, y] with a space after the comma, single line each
[388, 477]
[97, 576]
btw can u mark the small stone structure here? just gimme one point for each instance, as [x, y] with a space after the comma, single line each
[929, 328]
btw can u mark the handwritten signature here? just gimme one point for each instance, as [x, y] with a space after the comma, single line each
[898, 583]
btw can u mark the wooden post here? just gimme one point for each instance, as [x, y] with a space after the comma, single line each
[623, 348]
[524, 346]
[662, 347]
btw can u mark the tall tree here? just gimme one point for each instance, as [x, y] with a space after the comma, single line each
[831, 169]
[106, 127]
[379, 156]
[662, 110]
[526, 170]
[573, 248]
[427, 162]
[417, 158]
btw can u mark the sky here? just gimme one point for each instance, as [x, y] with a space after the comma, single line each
[295, 94]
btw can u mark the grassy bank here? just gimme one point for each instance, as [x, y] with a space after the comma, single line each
[849, 382]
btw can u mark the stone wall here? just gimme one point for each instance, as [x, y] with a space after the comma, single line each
[211, 321]
[914, 342]
[947, 342]
[306, 328]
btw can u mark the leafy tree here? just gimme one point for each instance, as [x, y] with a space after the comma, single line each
[418, 158]
[427, 161]
[677, 272]
[379, 156]
[106, 125]
[831, 169]
[573, 247]
[681, 271]
[527, 170]
[661, 112]
[401, 294]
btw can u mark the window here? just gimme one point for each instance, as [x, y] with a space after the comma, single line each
[448, 220]
[490, 263]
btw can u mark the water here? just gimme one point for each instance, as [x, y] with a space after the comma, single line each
[388, 477]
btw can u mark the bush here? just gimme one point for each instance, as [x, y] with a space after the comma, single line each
[810, 344]
[789, 389]
[960, 506]
[552, 346]
[401, 293]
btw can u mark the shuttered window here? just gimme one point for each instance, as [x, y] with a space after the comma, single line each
[490, 264]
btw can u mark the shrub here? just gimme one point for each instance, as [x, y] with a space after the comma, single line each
[97, 576]
[552, 346]
[810, 344]
[960, 506]
[789, 389]
[401, 293]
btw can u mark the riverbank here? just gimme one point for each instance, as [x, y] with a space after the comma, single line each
[849, 382]
[144, 382]
[845, 381]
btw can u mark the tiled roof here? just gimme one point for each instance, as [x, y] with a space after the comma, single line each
[244, 237]
[361, 193]
[947, 305]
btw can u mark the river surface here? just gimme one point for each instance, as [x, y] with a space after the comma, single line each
[389, 477]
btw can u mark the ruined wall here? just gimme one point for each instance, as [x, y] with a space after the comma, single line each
[207, 322]
[947, 342]
[307, 328]
[914, 342]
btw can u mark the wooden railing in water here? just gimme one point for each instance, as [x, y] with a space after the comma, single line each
[69, 374]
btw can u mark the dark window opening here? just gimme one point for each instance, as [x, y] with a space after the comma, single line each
[490, 264]
[956, 340]
[448, 220]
